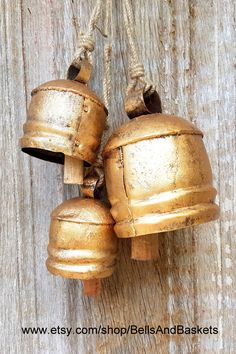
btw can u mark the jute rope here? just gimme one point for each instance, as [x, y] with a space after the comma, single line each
[86, 40]
[97, 170]
[106, 79]
[107, 54]
[136, 68]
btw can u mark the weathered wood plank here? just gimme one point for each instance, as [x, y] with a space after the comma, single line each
[227, 167]
[187, 48]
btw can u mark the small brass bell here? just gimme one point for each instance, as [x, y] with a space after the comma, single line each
[65, 122]
[82, 242]
[158, 174]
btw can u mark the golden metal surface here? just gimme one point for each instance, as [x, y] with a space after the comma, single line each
[93, 182]
[158, 176]
[82, 241]
[64, 118]
[88, 188]
[138, 103]
[80, 71]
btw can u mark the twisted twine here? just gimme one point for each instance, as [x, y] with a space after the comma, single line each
[106, 9]
[106, 82]
[86, 40]
[136, 69]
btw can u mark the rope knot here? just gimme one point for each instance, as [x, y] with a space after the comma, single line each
[87, 42]
[137, 71]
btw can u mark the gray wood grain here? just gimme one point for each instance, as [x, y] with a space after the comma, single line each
[188, 48]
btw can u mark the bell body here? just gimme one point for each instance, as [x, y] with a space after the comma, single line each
[82, 241]
[158, 176]
[65, 118]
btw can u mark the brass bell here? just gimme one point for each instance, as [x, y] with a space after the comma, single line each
[158, 175]
[65, 122]
[82, 242]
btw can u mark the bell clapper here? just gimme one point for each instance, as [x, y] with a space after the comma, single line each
[92, 287]
[145, 248]
[73, 170]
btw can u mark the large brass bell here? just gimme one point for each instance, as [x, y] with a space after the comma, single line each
[65, 122]
[82, 242]
[158, 174]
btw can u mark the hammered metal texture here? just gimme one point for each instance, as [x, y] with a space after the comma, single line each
[64, 118]
[82, 242]
[158, 176]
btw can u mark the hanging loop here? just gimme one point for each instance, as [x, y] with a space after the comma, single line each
[88, 188]
[141, 96]
[81, 67]
[136, 71]
[93, 182]
[138, 102]
[80, 71]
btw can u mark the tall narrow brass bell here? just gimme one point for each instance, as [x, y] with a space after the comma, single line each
[158, 175]
[65, 122]
[82, 241]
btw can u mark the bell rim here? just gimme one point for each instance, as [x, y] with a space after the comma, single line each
[188, 217]
[71, 271]
[53, 153]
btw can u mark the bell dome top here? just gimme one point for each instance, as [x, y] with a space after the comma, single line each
[85, 211]
[148, 127]
[71, 86]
